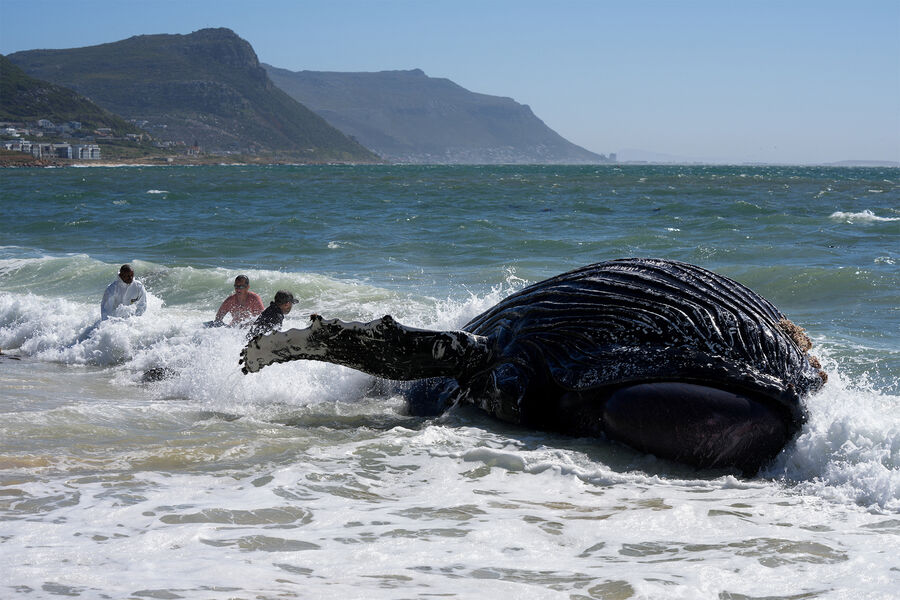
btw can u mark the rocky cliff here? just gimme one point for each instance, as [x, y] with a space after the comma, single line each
[407, 116]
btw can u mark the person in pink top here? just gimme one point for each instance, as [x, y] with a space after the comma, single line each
[243, 305]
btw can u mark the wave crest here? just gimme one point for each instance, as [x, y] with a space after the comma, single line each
[865, 216]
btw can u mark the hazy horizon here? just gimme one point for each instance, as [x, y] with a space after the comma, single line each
[804, 83]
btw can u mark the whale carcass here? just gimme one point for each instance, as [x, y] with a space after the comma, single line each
[663, 356]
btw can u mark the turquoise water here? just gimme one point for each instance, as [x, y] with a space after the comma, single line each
[820, 243]
[303, 479]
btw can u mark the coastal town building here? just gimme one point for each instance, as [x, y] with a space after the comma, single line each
[42, 150]
[87, 152]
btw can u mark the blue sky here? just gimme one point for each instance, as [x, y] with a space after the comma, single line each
[799, 81]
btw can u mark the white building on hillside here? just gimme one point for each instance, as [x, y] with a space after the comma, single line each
[86, 152]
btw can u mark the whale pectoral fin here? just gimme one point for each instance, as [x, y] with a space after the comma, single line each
[382, 347]
[695, 424]
[265, 350]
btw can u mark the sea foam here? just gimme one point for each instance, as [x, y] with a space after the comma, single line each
[865, 216]
[848, 451]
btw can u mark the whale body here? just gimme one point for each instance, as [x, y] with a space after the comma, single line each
[663, 356]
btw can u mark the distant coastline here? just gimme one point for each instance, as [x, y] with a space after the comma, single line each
[885, 164]
[10, 159]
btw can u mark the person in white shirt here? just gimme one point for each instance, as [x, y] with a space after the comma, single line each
[124, 291]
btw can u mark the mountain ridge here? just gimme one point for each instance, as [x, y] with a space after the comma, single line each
[407, 116]
[206, 87]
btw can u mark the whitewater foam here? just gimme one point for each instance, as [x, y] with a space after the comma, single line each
[865, 216]
[310, 479]
[847, 452]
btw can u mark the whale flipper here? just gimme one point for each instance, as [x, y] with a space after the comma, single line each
[382, 347]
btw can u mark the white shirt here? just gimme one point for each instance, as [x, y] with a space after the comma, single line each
[118, 293]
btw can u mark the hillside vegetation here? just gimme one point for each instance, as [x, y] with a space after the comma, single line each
[26, 99]
[206, 87]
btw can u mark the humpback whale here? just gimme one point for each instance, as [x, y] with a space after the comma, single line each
[663, 356]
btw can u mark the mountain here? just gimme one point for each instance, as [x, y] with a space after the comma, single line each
[26, 99]
[207, 86]
[407, 116]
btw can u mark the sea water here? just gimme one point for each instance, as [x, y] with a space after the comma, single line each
[307, 480]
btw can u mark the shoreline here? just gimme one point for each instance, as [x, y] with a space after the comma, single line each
[27, 161]
[21, 160]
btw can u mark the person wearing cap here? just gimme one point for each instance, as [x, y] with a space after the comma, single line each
[243, 305]
[125, 291]
[271, 318]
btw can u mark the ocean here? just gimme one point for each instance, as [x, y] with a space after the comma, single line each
[309, 480]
